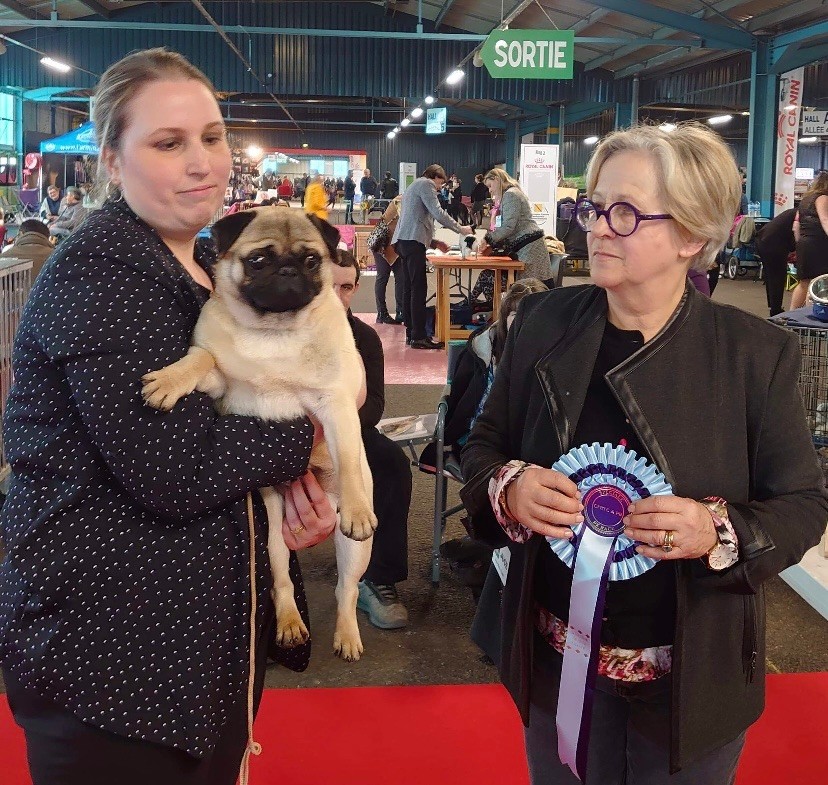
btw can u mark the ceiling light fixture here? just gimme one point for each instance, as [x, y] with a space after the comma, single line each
[404, 122]
[429, 99]
[417, 112]
[455, 76]
[591, 140]
[55, 65]
[254, 151]
[391, 134]
[718, 119]
[668, 127]
[809, 139]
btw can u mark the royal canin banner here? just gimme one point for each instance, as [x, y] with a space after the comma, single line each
[787, 135]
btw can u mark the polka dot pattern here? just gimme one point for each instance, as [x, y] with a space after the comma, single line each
[124, 593]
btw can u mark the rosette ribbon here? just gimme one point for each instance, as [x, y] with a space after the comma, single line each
[610, 478]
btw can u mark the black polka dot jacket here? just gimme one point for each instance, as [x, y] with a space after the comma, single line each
[124, 590]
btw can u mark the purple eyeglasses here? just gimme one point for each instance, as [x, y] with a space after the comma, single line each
[622, 217]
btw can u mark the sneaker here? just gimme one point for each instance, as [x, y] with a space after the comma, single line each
[382, 604]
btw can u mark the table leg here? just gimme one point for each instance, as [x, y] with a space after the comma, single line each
[497, 295]
[439, 316]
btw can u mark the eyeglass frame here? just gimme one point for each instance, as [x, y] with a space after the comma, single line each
[639, 216]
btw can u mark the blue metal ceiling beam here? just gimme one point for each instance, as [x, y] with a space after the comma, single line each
[795, 55]
[441, 15]
[787, 13]
[803, 34]
[660, 34]
[583, 111]
[19, 8]
[715, 36]
[476, 117]
[665, 57]
[96, 8]
[527, 106]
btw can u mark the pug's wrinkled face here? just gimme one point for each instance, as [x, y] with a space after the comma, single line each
[275, 260]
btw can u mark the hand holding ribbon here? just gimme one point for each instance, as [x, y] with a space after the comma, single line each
[649, 521]
[545, 501]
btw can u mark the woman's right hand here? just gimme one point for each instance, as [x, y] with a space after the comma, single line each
[545, 501]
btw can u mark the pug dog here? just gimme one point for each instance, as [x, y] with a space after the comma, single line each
[273, 341]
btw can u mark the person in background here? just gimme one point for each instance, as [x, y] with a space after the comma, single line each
[634, 359]
[479, 195]
[389, 466]
[415, 233]
[285, 189]
[775, 243]
[125, 618]
[456, 197]
[71, 214]
[387, 262]
[368, 186]
[810, 228]
[32, 244]
[348, 194]
[389, 188]
[316, 200]
[50, 206]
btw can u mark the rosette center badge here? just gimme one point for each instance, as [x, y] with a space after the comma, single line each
[604, 509]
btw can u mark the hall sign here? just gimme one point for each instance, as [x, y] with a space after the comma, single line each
[815, 122]
[529, 54]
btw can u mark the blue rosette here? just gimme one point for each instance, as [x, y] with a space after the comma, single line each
[610, 478]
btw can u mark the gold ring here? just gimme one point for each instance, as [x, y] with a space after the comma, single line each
[299, 528]
[667, 544]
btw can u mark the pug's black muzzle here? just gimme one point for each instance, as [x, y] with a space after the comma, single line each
[284, 290]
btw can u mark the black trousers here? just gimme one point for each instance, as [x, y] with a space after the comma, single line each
[384, 271]
[391, 470]
[62, 750]
[774, 271]
[413, 259]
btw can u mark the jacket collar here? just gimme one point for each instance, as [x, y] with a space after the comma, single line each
[565, 370]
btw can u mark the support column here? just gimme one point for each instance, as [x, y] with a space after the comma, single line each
[623, 116]
[764, 87]
[18, 137]
[634, 101]
[554, 124]
[512, 142]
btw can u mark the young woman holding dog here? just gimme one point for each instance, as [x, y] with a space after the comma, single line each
[125, 590]
[633, 360]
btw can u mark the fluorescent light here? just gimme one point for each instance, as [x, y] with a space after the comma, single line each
[417, 112]
[718, 119]
[391, 134]
[668, 127]
[455, 76]
[305, 144]
[591, 140]
[254, 152]
[404, 122]
[429, 99]
[55, 65]
[745, 114]
[790, 107]
[808, 139]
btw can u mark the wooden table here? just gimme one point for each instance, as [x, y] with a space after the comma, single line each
[445, 264]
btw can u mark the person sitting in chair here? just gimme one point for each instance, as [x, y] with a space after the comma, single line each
[32, 244]
[71, 214]
[389, 466]
[50, 206]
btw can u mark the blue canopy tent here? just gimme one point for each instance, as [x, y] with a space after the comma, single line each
[81, 141]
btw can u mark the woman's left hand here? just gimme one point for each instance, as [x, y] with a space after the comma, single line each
[309, 516]
[685, 524]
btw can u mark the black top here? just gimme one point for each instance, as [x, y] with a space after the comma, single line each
[810, 227]
[124, 593]
[368, 186]
[390, 188]
[350, 187]
[369, 346]
[776, 237]
[480, 193]
[639, 612]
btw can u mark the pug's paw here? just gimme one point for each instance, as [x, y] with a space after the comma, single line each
[163, 389]
[357, 521]
[291, 630]
[347, 643]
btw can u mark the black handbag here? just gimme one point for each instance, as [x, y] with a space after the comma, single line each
[511, 245]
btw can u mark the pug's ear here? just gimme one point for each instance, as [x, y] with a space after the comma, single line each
[330, 234]
[227, 230]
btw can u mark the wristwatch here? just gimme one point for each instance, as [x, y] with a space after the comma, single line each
[725, 553]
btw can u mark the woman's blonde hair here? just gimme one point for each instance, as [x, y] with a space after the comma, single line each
[120, 84]
[505, 180]
[700, 182]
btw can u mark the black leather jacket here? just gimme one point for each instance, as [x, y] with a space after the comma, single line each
[714, 399]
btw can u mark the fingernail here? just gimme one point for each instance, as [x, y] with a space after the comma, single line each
[580, 508]
[631, 508]
[638, 550]
[579, 518]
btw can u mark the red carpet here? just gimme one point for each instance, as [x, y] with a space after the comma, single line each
[464, 735]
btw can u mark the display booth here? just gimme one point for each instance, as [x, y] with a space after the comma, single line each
[80, 144]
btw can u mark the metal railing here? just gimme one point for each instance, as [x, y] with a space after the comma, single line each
[15, 285]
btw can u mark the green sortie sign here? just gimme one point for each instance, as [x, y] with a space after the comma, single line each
[529, 54]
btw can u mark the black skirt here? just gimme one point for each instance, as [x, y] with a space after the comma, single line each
[811, 258]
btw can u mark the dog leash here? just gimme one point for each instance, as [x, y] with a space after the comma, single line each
[253, 747]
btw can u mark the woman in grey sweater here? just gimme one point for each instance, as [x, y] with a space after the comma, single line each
[512, 230]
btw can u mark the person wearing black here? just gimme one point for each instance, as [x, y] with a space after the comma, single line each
[389, 466]
[775, 242]
[479, 195]
[368, 185]
[811, 231]
[456, 198]
[125, 591]
[348, 193]
[632, 361]
[389, 188]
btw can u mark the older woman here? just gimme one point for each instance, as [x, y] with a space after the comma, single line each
[125, 592]
[634, 360]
